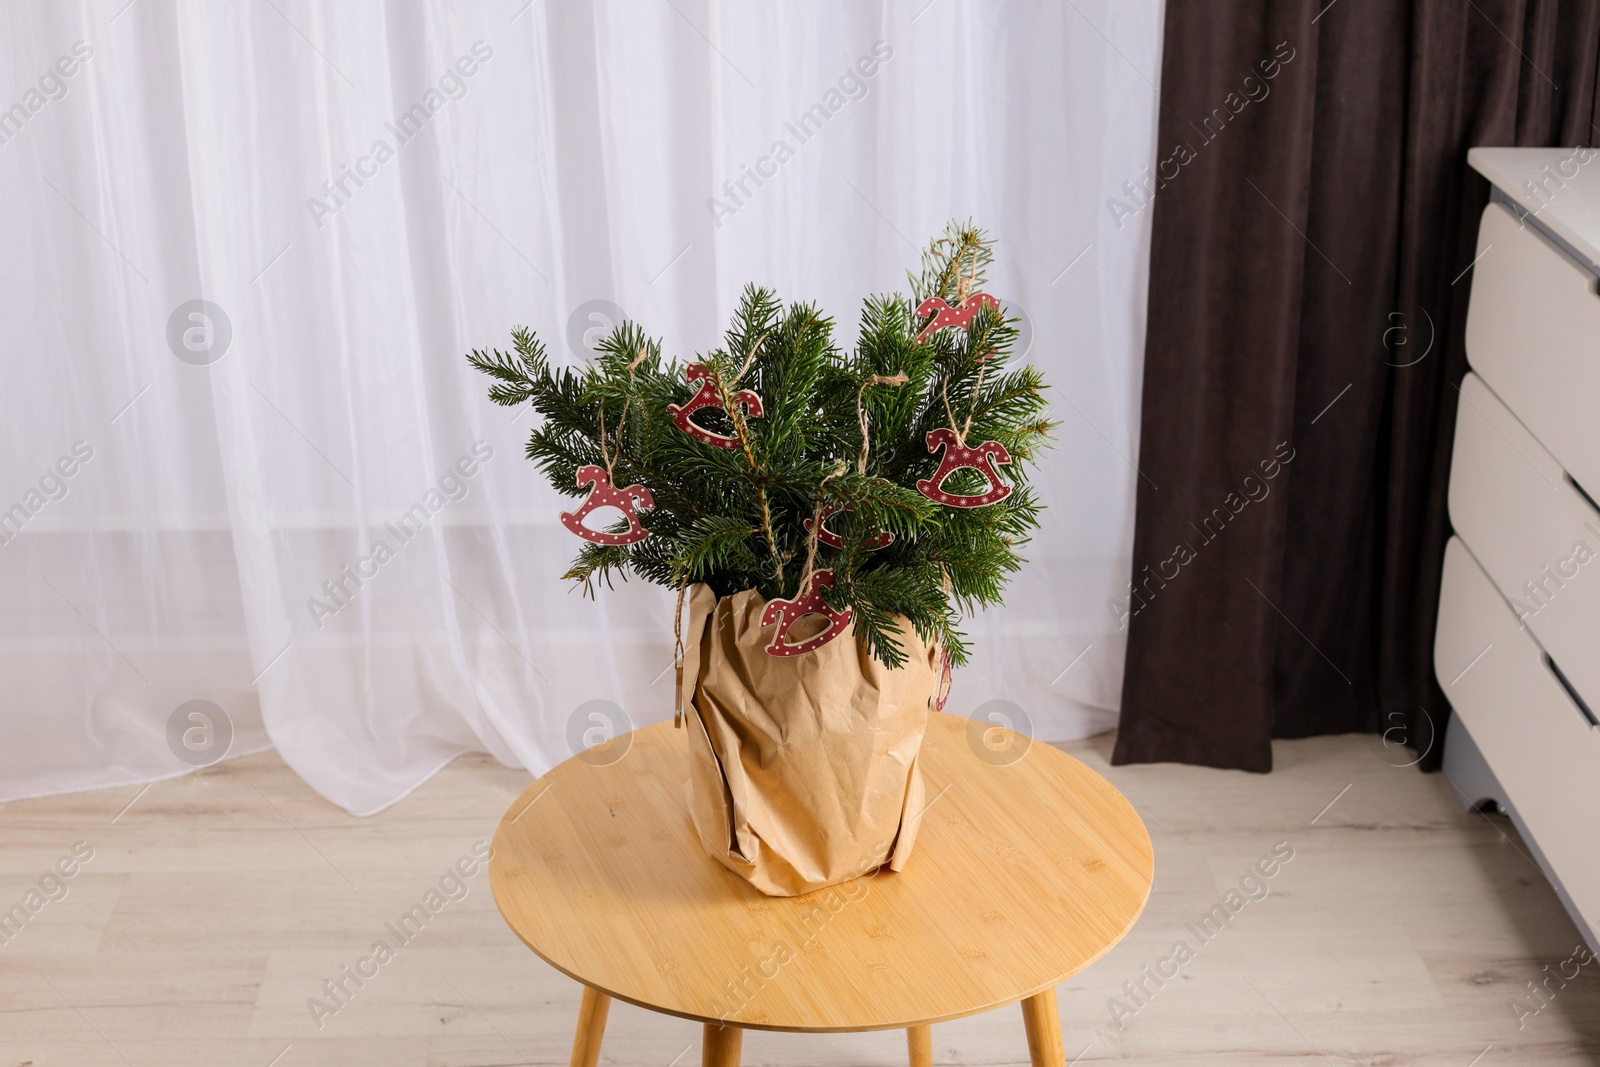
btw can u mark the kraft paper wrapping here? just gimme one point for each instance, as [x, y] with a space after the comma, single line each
[803, 769]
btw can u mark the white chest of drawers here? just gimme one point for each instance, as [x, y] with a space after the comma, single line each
[1517, 650]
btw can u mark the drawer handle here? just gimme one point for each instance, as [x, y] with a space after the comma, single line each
[1572, 694]
[1581, 491]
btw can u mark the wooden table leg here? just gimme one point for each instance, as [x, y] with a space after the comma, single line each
[919, 1039]
[591, 1028]
[1043, 1023]
[720, 1046]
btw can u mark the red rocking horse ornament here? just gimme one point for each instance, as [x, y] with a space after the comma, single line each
[957, 456]
[629, 500]
[881, 539]
[707, 397]
[958, 315]
[809, 602]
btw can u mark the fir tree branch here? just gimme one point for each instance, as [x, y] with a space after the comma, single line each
[734, 518]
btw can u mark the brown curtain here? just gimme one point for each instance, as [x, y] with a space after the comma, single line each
[1314, 225]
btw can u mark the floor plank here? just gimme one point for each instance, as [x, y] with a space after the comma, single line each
[215, 906]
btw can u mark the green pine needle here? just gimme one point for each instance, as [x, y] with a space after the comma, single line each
[735, 518]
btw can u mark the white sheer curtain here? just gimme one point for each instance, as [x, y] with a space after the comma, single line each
[194, 495]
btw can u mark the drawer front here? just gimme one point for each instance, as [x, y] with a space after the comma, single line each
[1535, 535]
[1536, 740]
[1533, 333]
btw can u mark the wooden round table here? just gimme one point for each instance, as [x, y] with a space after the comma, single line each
[1024, 873]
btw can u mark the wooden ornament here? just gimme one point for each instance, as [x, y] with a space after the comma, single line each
[957, 315]
[628, 500]
[809, 602]
[956, 456]
[707, 397]
[881, 539]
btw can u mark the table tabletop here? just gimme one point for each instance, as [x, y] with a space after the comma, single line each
[1026, 870]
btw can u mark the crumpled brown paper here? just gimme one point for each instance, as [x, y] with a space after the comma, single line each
[803, 769]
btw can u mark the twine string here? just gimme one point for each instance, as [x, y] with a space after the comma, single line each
[811, 549]
[735, 413]
[749, 358]
[964, 285]
[977, 388]
[861, 412]
[639, 357]
[816, 528]
[605, 456]
[938, 677]
[983, 361]
[677, 654]
[944, 391]
[977, 385]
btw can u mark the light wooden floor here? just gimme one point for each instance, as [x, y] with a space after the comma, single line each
[216, 904]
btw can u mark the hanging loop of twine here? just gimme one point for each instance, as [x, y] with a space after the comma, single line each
[677, 655]
[816, 528]
[811, 549]
[964, 285]
[944, 391]
[749, 358]
[605, 455]
[972, 408]
[861, 412]
[977, 389]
